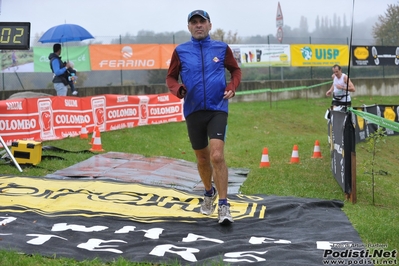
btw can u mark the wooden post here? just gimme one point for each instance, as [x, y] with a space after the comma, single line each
[353, 169]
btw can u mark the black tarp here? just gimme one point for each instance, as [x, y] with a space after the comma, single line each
[86, 219]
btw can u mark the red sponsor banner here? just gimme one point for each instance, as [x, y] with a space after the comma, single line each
[57, 117]
[113, 112]
[117, 112]
[162, 108]
[68, 116]
[15, 120]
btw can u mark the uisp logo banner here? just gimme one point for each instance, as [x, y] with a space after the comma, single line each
[319, 55]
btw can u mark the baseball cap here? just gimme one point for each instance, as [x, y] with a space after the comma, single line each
[201, 13]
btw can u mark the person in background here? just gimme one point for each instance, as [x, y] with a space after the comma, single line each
[60, 77]
[201, 64]
[340, 89]
[14, 59]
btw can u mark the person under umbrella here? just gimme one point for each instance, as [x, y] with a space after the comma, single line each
[59, 68]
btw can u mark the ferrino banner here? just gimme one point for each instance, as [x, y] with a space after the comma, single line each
[130, 56]
[317, 55]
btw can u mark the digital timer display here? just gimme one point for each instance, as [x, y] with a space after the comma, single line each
[14, 35]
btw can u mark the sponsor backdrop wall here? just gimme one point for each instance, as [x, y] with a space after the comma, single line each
[157, 56]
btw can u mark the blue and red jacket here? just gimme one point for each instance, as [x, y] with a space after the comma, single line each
[201, 65]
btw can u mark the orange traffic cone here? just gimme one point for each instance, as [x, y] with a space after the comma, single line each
[93, 136]
[295, 155]
[316, 150]
[96, 146]
[264, 162]
[83, 132]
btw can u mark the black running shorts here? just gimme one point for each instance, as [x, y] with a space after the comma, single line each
[338, 103]
[204, 125]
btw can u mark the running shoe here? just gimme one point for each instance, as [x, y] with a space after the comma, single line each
[208, 204]
[224, 215]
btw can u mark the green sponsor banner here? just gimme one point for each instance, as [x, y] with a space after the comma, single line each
[381, 121]
[79, 55]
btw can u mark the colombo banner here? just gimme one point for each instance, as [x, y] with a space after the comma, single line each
[130, 56]
[375, 55]
[262, 55]
[318, 55]
[79, 55]
[58, 117]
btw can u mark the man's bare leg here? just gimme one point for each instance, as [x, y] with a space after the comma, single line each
[220, 173]
[204, 167]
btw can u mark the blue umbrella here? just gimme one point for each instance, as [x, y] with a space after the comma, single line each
[65, 33]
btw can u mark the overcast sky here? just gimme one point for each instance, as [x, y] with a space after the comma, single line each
[118, 17]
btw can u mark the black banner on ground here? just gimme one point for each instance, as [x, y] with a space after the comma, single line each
[375, 55]
[107, 220]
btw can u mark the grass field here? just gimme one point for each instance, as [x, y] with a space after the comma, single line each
[253, 126]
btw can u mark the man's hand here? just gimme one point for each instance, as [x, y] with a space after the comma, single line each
[228, 94]
[182, 92]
